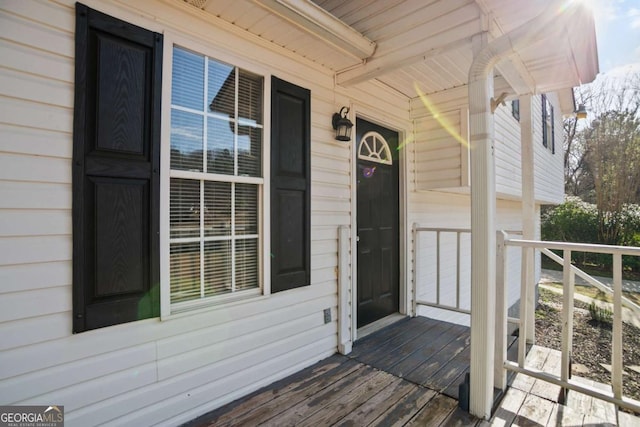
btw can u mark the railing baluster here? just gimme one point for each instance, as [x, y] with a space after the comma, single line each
[345, 331]
[499, 373]
[416, 261]
[616, 352]
[457, 269]
[438, 267]
[524, 307]
[568, 283]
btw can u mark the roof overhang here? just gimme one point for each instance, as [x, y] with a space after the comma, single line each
[402, 43]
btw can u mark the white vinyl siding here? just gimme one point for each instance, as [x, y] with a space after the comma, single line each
[548, 167]
[172, 370]
[152, 371]
[508, 149]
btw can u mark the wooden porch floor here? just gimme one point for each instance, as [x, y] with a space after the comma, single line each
[408, 374]
[405, 374]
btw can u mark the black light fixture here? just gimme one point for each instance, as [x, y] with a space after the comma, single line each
[342, 125]
[581, 112]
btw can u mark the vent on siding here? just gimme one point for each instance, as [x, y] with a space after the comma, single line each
[197, 3]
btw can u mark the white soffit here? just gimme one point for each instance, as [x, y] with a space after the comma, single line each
[426, 42]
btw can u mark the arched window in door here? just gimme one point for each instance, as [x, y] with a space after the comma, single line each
[374, 148]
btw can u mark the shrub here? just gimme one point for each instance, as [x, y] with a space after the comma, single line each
[600, 314]
[579, 222]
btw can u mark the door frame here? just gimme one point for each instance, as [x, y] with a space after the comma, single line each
[404, 296]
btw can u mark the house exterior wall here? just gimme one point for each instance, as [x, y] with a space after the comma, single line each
[548, 166]
[171, 370]
[441, 159]
[439, 194]
[151, 371]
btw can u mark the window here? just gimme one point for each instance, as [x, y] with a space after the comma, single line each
[374, 148]
[515, 109]
[216, 180]
[548, 133]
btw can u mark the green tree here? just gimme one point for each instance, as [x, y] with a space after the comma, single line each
[612, 159]
[602, 156]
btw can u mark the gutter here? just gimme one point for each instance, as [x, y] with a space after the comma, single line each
[316, 21]
[483, 194]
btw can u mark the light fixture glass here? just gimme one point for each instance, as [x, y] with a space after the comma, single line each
[581, 112]
[342, 125]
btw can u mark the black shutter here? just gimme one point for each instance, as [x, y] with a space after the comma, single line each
[290, 186]
[545, 137]
[116, 160]
[553, 130]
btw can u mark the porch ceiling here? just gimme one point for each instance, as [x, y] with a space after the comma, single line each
[427, 42]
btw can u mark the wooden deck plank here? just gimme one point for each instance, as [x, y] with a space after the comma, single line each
[579, 402]
[452, 390]
[331, 365]
[294, 415]
[422, 373]
[450, 371]
[460, 418]
[435, 412]
[509, 408]
[370, 342]
[300, 391]
[344, 405]
[379, 404]
[535, 359]
[389, 356]
[564, 416]
[405, 408]
[379, 356]
[627, 420]
[427, 350]
[552, 365]
[534, 411]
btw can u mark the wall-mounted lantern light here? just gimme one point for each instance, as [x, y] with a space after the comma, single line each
[581, 112]
[342, 125]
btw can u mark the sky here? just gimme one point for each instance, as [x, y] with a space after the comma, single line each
[618, 34]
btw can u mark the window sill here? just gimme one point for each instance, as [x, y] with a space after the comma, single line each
[190, 308]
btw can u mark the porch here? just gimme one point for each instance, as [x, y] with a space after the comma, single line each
[408, 374]
[404, 374]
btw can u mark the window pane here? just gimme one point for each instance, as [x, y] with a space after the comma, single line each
[184, 217]
[220, 150]
[217, 208]
[246, 264]
[185, 271]
[246, 209]
[186, 141]
[249, 151]
[217, 268]
[187, 83]
[222, 89]
[250, 97]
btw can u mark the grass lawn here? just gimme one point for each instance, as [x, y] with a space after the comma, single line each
[595, 293]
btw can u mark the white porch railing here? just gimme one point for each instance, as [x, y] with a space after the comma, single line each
[446, 253]
[569, 272]
[436, 255]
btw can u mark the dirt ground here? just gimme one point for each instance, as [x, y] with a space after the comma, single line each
[591, 342]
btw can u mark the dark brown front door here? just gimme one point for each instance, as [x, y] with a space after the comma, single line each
[378, 205]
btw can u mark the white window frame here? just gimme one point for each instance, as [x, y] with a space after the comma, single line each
[382, 155]
[167, 309]
[548, 122]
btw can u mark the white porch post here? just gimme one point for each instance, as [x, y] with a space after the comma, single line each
[527, 318]
[483, 241]
[483, 195]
